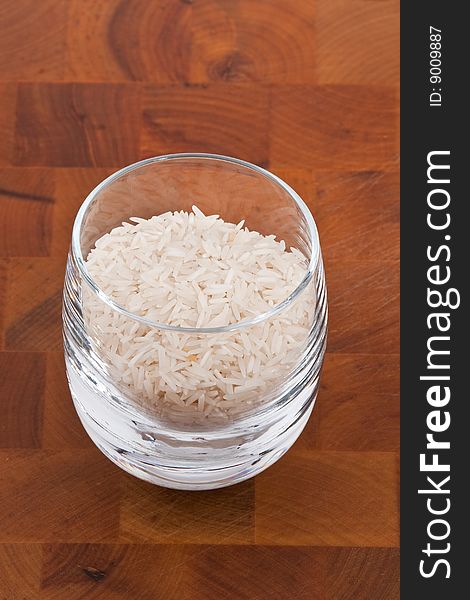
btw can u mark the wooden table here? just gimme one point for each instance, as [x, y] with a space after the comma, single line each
[307, 88]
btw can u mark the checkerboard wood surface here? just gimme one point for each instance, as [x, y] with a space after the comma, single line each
[306, 88]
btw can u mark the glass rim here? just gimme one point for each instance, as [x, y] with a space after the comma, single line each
[81, 262]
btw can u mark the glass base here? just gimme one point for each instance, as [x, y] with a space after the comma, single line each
[195, 461]
[181, 478]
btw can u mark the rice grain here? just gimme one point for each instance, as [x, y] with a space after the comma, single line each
[192, 270]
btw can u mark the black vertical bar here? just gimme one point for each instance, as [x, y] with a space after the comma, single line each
[431, 124]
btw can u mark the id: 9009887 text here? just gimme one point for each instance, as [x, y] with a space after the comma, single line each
[435, 70]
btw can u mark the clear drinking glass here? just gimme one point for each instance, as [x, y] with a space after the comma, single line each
[144, 435]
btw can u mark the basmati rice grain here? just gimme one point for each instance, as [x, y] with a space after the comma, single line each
[196, 271]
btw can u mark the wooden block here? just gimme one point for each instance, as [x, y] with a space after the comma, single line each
[329, 499]
[357, 418]
[358, 214]
[26, 205]
[153, 514]
[363, 574]
[72, 187]
[364, 306]
[62, 428]
[3, 284]
[33, 304]
[79, 125]
[357, 41]
[33, 40]
[21, 399]
[359, 422]
[111, 40]
[334, 127]
[195, 572]
[20, 571]
[221, 119]
[265, 41]
[360, 374]
[113, 572]
[249, 572]
[357, 406]
[7, 121]
[69, 496]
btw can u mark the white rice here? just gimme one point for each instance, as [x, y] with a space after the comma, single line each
[191, 270]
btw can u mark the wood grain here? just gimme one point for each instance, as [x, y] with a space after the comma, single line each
[22, 394]
[364, 306]
[28, 201]
[313, 498]
[7, 121]
[364, 573]
[66, 496]
[334, 127]
[152, 514]
[33, 40]
[308, 89]
[232, 42]
[134, 40]
[357, 41]
[360, 373]
[359, 422]
[182, 572]
[358, 410]
[72, 185]
[33, 304]
[50, 115]
[367, 202]
[218, 118]
[3, 284]
[20, 570]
